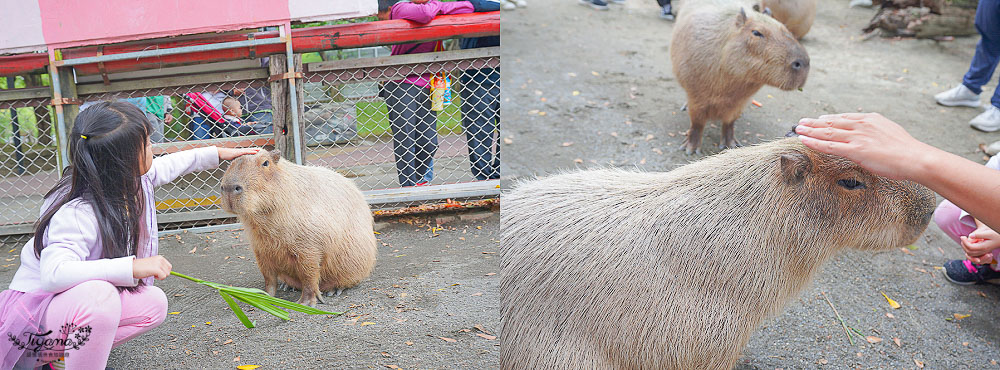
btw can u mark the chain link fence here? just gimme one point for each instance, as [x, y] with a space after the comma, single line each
[405, 125]
[376, 120]
[28, 158]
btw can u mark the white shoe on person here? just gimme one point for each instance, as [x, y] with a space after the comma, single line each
[987, 121]
[958, 96]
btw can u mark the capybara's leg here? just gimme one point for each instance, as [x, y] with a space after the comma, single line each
[728, 136]
[270, 274]
[692, 145]
[309, 275]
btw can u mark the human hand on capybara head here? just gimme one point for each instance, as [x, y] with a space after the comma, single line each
[980, 244]
[228, 154]
[869, 139]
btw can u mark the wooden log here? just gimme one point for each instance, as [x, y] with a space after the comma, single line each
[281, 107]
[924, 18]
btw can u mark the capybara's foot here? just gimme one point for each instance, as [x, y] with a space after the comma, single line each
[689, 148]
[332, 293]
[286, 288]
[730, 144]
[270, 289]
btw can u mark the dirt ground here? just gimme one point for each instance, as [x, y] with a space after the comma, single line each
[584, 88]
[427, 285]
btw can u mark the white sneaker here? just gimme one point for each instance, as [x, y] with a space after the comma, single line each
[958, 96]
[521, 3]
[992, 149]
[861, 3]
[508, 5]
[987, 121]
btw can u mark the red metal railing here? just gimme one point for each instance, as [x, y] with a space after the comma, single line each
[304, 40]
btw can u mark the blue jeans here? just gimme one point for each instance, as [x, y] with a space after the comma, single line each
[200, 129]
[481, 118]
[987, 50]
[261, 122]
[414, 132]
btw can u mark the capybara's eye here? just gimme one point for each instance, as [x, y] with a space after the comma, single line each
[851, 184]
[758, 34]
[265, 163]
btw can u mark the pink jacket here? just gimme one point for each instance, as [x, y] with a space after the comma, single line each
[423, 13]
[72, 252]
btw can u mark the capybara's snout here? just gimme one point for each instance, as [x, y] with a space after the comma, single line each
[799, 66]
[232, 189]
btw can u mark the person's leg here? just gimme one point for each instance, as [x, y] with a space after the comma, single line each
[262, 122]
[479, 121]
[157, 135]
[425, 136]
[984, 62]
[946, 217]
[401, 117]
[199, 130]
[140, 312]
[93, 310]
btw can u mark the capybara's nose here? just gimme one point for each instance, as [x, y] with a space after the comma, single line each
[232, 189]
[798, 64]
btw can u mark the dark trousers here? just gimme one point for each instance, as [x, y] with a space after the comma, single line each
[414, 131]
[663, 2]
[481, 118]
[987, 51]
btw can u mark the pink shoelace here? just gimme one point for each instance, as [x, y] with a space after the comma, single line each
[969, 266]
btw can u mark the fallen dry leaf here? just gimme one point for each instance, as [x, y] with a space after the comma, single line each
[409, 343]
[919, 363]
[892, 303]
[449, 340]
[386, 354]
[899, 342]
[822, 361]
[508, 141]
[480, 328]
[367, 323]
[959, 316]
[227, 341]
[485, 336]
[873, 339]
[392, 366]
[237, 358]
[889, 315]
[568, 143]
[193, 250]
[477, 294]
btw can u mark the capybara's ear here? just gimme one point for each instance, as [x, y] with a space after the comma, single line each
[275, 155]
[741, 18]
[794, 167]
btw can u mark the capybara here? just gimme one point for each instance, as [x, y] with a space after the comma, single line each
[796, 15]
[722, 53]
[309, 226]
[675, 270]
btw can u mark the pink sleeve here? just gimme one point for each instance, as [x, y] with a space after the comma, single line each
[423, 13]
[171, 166]
[67, 259]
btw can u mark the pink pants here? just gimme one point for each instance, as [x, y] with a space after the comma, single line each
[946, 217]
[113, 317]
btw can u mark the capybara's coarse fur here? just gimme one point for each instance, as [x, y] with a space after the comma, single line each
[722, 53]
[309, 227]
[796, 15]
[609, 269]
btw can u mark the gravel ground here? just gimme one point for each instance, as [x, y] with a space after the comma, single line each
[427, 285]
[584, 88]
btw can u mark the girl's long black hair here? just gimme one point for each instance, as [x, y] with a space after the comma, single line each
[105, 146]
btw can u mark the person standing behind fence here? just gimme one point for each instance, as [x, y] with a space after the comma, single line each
[414, 125]
[90, 266]
[256, 102]
[481, 106]
[157, 110]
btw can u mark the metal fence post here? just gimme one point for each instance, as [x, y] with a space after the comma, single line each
[297, 99]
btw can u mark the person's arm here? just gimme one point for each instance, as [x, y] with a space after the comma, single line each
[63, 262]
[423, 13]
[171, 166]
[885, 148]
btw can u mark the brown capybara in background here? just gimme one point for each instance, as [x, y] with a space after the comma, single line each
[309, 226]
[722, 53]
[607, 268]
[796, 15]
